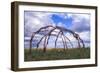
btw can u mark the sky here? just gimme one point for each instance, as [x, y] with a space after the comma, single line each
[77, 22]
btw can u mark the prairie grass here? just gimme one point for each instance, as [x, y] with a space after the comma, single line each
[56, 54]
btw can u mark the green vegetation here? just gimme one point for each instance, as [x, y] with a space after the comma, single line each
[57, 54]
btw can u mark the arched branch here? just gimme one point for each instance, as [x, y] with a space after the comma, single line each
[65, 40]
[47, 39]
[69, 41]
[57, 38]
[83, 45]
[30, 50]
[77, 38]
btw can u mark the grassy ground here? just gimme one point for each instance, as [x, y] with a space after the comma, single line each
[57, 54]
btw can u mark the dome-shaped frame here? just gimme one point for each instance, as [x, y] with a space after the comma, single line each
[46, 37]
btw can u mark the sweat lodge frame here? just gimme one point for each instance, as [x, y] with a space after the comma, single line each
[15, 50]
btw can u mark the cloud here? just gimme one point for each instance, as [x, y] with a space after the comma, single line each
[36, 20]
[81, 22]
[85, 35]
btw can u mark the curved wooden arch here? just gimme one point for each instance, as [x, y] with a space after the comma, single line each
[46, 37]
